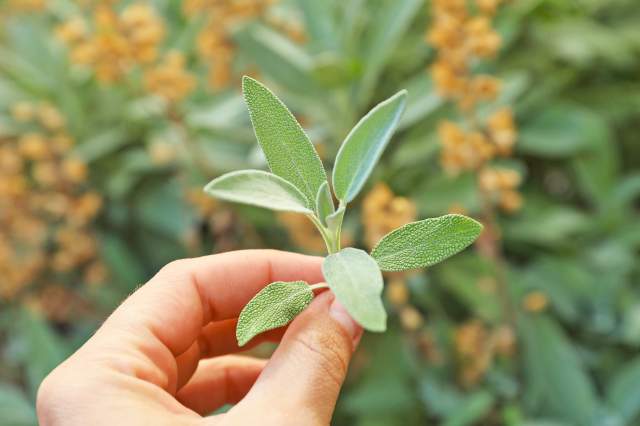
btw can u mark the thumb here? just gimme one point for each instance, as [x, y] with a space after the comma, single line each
[306, 372]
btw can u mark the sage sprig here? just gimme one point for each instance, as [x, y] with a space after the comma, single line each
[298, 183]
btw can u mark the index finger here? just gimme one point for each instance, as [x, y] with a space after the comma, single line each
[187, 294]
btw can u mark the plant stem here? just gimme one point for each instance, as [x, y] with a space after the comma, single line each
[338, 234]
[328, 241]
[319, 286]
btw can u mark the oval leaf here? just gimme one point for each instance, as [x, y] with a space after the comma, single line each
[356, 280]
[364, 145]
[274, 306]
[259, 188]
[289, 152]
[425, 243]
[324, 203]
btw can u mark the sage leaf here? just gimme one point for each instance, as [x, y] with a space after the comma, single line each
[289, 152]
[425, 243]
[356, 281]
[259, 188]
[334, 220]
[364, 145]
[324, 203]
[274, 306]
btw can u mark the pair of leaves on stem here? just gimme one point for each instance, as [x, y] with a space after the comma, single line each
[298, 181]
[355, 277]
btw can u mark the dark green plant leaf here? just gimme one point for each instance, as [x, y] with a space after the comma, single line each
[623, 392]
[320, 24]
[278, 58]
[558, 131]
[15, 408]
[556, 380]
[364, 145]
[274, 306]
[392, 20]
[357, 282]
[425, 243]
[44, 350]
[287, 148]
[259, 188]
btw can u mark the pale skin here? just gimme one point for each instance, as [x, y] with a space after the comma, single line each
[166, 356]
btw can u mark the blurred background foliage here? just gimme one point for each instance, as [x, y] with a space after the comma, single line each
[524, 114]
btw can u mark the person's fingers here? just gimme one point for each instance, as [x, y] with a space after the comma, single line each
[220, 381]
[218, 338]
[164, 318]
[307, 370]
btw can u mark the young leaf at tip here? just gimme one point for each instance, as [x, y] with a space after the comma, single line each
[356, 280]
[334, 220]
[324, 203]
[274, 306]
[364, 145]
[425, 243]
[259, 188]
[289, 152]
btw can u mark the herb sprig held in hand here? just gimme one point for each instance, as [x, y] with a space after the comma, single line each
[298, 183]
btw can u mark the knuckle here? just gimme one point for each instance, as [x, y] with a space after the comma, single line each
[175, 269]
[175, 266]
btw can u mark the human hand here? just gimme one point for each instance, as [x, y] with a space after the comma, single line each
[162, 357]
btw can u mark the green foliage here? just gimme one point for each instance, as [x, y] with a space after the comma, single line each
[324, 203]
[274, 306]
[260, 189]
[425, 243]
[623, 392]
[557, 378]
[289, 152]
[356, 280]
[364, 145]
[15, 407]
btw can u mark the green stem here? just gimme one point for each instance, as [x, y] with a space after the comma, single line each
[323, 231]
[338, 233]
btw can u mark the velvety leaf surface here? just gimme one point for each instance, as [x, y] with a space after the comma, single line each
[274, 306]
[425, 243]
[287, 148]
[364, 145]
[356, 280]
[324, 203]
[259, 188]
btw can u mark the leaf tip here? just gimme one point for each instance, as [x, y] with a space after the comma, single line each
[249, 84]
[208, 187]
[248, 80]
[476, 224]
[401, 96]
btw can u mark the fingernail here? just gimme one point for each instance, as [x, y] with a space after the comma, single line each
[340, 314]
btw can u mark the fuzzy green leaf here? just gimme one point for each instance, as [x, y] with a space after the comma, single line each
[274, 306]
[364, 145]
[425, 243]
[261, 189]
[356, 280]
[324, 203]
[288, 150]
